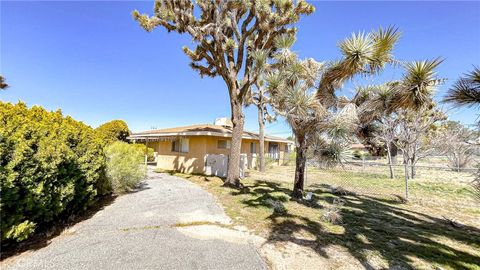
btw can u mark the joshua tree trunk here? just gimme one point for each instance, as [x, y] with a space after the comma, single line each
[300, 166]
[390, 161]
[261, 127]
[238, 119]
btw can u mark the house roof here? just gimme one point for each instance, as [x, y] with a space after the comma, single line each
[198, 130]
[357, 146]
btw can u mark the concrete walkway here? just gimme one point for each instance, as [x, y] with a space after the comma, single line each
[136, 232]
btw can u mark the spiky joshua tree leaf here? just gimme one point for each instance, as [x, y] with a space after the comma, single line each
[466, 90]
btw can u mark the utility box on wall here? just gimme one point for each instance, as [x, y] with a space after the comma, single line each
[218, 165]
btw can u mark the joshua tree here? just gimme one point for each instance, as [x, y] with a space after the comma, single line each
[292, 88]
[362, 54]
[3, 84]
[304, 91]
[225, 34]
[260, 98]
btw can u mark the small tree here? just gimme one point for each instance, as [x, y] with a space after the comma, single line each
[456, 142]
[410, 101]
[466, 92]
[387, 135]
[413, 135]
[377, 122]
[225, 34]
[115, 130]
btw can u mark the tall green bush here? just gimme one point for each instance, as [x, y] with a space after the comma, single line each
[50, 166]
[125, 166]
[115, 130]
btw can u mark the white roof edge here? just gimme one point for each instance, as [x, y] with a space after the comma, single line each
[200, 133]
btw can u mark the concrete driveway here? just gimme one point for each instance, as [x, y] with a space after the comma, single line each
[137, 232]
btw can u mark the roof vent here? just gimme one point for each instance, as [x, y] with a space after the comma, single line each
[223, 121]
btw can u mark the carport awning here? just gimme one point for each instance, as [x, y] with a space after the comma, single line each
[198, 130]
[144, 138]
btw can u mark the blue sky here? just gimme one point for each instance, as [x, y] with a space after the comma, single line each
[92, 61]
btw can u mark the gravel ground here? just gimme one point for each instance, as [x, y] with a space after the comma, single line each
[136, 232]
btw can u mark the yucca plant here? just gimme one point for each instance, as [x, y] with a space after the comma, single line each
[466, 90]
[417, 86]
[3, 84]
[362, 54]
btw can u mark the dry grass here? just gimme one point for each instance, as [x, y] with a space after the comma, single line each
[377, 230]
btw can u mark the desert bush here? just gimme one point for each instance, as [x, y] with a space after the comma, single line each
[115, 130]
[289, 158]
[277, 206]
[150, 155]
[333, 213]
[340, 191]
[50, 166]
[125, 167]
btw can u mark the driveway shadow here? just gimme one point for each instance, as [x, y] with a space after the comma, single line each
[46, 233]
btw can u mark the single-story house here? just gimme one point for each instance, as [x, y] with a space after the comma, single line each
[359, 147]
[195, 148]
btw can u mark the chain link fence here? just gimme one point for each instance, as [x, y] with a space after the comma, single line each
[373, 176]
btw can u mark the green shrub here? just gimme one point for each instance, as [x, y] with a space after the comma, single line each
[115, 130]
[50, 166]
[125, 166]
[150, 155]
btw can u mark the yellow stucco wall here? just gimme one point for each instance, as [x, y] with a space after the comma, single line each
[199, 146]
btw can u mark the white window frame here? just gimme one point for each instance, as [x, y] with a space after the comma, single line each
[227, 144]
[180, 145]
[254, 144]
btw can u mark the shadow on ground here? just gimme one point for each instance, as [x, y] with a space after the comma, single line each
[370, 225]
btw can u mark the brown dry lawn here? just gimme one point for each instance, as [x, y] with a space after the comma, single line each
[377, 230]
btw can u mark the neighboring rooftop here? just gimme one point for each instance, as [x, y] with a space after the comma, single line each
[199, 130]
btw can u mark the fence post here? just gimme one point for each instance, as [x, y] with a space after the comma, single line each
[306, 167]
[406, 181]
[146, 152]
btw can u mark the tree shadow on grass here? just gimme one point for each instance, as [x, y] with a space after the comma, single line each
[370, 225]
[47, 232]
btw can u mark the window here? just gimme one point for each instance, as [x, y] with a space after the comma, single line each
[223, 144]
[253, 148]
[287, 149]
[180, 145]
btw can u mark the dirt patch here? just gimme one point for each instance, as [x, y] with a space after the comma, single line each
[201, 216]
[278, 255]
